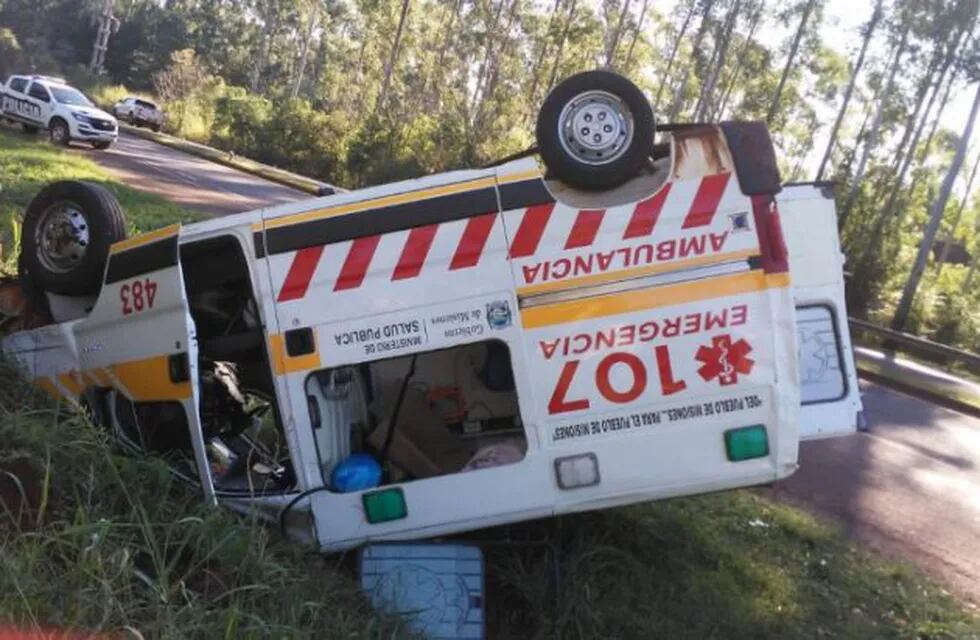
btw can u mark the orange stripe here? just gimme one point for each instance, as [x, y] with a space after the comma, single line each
[638, 272]
[651, 298]
[101, 377]
[145, 238]
[70, 381]
[49, 387]
[149, 379]
[374, 203]
[284, 363]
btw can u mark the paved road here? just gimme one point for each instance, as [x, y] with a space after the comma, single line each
[909, 487]
[189, 181]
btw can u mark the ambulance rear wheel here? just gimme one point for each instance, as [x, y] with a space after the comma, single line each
[66, 234]
[595, 130]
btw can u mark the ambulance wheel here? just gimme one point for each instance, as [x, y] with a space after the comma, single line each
[66, 234]
[595, 130]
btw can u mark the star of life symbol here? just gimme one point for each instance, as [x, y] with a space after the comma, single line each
[724, 359]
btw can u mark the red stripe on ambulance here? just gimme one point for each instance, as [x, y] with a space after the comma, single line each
[414, 252]
[357, 263]
[474, 239]
[585, 229]
[645, 215]
[706, 201]
[300, 273]
[531, 229]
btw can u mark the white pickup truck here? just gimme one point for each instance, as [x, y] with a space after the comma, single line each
[40, 102]
[139, 112]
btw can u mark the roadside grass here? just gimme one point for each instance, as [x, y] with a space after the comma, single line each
[732, 565]
[97, 541]
[28, 163]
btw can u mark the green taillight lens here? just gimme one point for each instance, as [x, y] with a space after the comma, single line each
[384, 505]
[746, 443]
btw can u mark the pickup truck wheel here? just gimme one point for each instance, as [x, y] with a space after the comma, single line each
[595, 130]
[60, 133]
[29, 128]
[67, 231]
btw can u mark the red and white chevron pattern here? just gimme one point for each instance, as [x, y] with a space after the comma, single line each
[460, 244]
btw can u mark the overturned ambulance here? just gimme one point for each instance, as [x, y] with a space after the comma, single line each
[654, 315]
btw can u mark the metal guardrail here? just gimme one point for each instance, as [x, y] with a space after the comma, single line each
[915, 344]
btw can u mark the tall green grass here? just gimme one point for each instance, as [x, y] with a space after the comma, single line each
[105, 543]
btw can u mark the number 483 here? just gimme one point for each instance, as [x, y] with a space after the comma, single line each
[137, 295]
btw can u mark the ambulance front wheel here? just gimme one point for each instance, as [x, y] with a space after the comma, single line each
[66, 234]
[595, 130]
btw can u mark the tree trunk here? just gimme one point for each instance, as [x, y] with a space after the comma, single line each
[393, 58]
[561, 43]
[719, 113]
[482, 73]
[872, 140]
[869, 31]
[935, 217]
[701, 111]
[893, 206]
[439, 70]
[616, 35]
[678, 102]
[673, 54]
[794, 48]
[267, 32]
[304, 55]
[542, 54]
[636, 34]
[929, 80]
[951, 236]
[493, 68]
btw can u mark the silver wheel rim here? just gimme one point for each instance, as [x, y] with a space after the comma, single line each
[59, 133]
[595, 127]
[62, 237]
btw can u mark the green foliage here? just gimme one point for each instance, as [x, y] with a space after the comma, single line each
[10, 52]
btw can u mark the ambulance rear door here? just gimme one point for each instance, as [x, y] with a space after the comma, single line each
[829, 394]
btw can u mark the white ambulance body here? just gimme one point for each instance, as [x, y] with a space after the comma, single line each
[503, 348]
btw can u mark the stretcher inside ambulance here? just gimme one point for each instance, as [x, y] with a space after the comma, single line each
[643, 316]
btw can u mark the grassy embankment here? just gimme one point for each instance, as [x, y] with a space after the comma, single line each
[103, 542]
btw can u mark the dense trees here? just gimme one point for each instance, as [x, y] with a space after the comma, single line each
[364, 91]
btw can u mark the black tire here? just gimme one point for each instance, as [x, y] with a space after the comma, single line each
[626, 159]
[29, 128]
[60, 132]
[156, 128]
[100, 224]
[102, 146]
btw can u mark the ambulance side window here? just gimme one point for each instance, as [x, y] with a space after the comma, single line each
[418, 416]
[822, 376]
